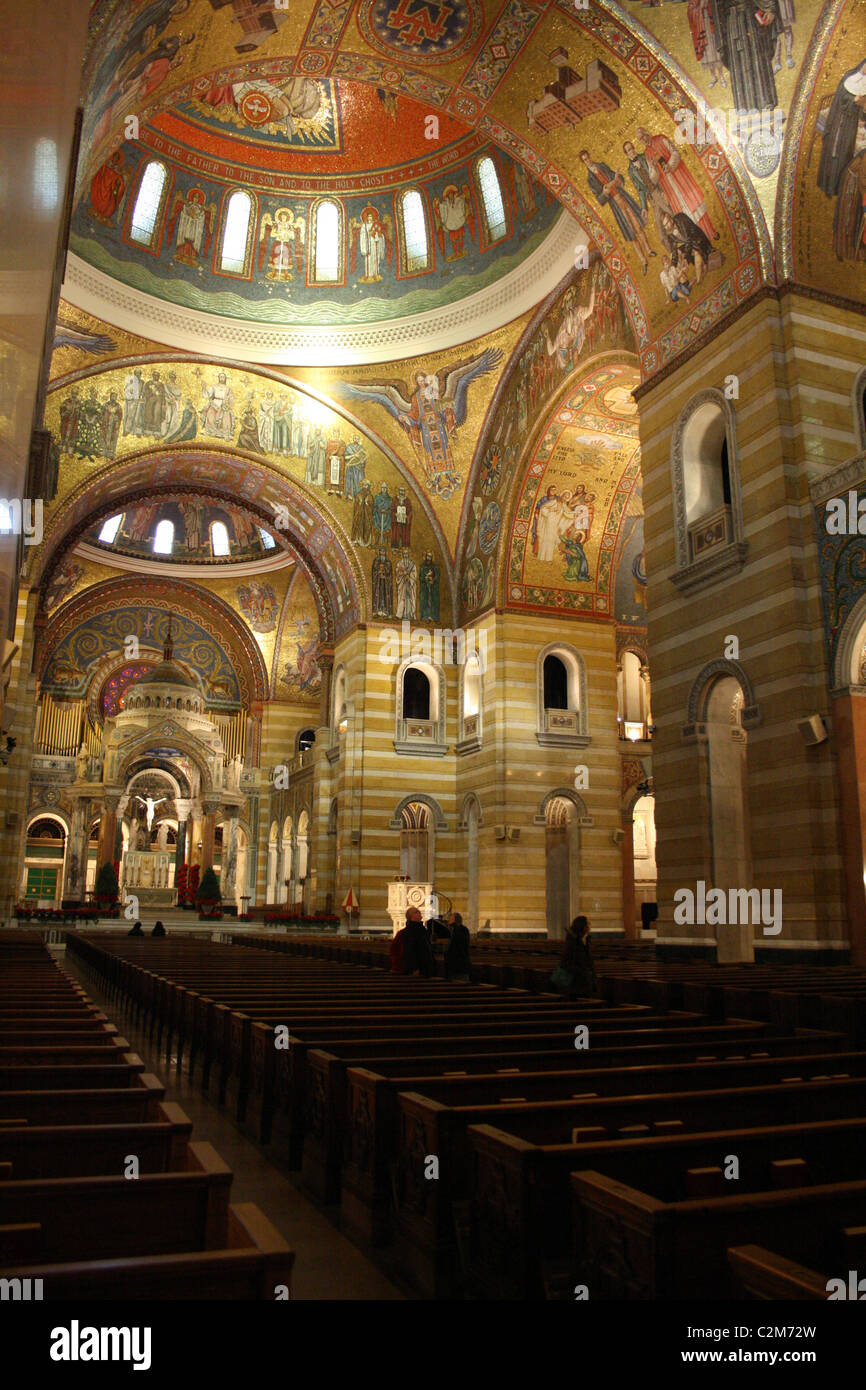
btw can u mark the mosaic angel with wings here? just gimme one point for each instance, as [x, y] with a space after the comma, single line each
[431, 414]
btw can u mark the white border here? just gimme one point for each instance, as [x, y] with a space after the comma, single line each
[242, 340]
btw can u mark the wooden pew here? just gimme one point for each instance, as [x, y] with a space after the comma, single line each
[519, 1203]
[94, 1106]
[254, 1264]
[762, 1274]
[109, 1217]
[53, 1151]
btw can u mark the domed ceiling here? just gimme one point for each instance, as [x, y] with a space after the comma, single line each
[186, 531]
[355, 206]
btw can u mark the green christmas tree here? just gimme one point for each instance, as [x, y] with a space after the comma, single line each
[209, 888]
[106, 884]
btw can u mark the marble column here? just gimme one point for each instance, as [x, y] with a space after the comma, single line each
[208, 831]
[629, 906]
[76, 856]
[228, 874]
[180, 857]
[107, 832]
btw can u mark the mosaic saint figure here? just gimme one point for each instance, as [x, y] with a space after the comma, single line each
[282, 442]
[356, 464]
[132, 389]
[194, 222]
[362, 516]
[107, 187]
[88, 439]
[428, 590]
[371, 240]
[70, 408]
[839, 139]
[217, 417]
[281, 244]
[401, 523]
[668, 171]
[382, 514]
[383, 585]
[314, 472]
[746, 35]
[406, 580]
[112, 417]
[610, 191]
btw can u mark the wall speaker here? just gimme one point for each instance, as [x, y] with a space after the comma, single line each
[813, 730]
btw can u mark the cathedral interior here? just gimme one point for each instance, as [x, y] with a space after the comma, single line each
[433, 439]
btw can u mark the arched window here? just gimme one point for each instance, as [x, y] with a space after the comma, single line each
[562, 706]
[416, 694]
[491, 198]
[306, 738]
[163, 540]
[236, 234]
[110, 528]
[148, 204]
[708, 514]
[327, 253]
[470, 694]
[268, 542]
[555, 683]
[219, 538]
[632, 698]
[416, 248]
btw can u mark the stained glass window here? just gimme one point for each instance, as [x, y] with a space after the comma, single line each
[414, 231]
[148, 203]
[219, 538]
[327, 242]
[113, 697]
[491, 196]
[163, 540]
[237, 226]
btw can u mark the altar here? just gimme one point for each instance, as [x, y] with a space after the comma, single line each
[150, 871]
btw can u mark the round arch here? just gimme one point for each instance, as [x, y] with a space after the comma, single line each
[439, 821]
[707, 678]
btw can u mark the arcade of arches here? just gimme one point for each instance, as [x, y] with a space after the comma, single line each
[426, 470]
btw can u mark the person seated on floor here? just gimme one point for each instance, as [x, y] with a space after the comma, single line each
[159, 930]
[137, 930]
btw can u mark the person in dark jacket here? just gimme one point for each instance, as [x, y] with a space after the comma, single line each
[159, 930]
[396, 952]
[417, 955]
[577, 959]
[137, 930]
[457, 950]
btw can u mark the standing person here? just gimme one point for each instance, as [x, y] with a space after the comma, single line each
[395, 951]
[417, 956]
[577, 959]
[457, 951]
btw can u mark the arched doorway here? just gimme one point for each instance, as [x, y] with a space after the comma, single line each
[285, 873]
[644, 852]
[730, 837]
[416, 842]
[561, 863]
[273, 864]
[302, 871]
[44, 861]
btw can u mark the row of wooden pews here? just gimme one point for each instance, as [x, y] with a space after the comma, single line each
[468, 1126]
[103, 1192]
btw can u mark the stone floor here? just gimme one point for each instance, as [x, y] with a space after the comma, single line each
[327, 1265]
